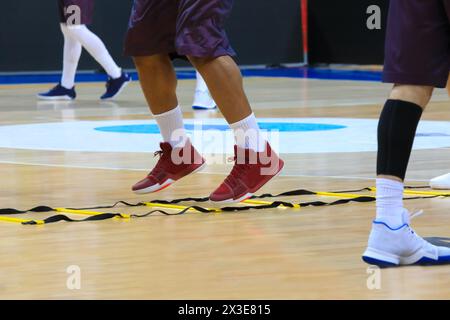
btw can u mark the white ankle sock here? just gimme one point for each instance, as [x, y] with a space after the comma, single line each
[171, 126]
[390, 202]
[248, 135]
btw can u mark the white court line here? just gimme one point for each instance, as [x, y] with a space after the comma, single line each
[201, 172]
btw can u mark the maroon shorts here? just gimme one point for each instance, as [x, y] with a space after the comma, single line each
[86, 11]
[179, 27]
[418, 43]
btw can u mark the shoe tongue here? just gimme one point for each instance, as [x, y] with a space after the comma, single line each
[245, 156]
[406, 217]
[165, 147]
[241, 153]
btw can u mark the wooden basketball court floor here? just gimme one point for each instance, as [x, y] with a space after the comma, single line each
[303, 253]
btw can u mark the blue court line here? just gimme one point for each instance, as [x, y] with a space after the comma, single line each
[310, 73]
[267, 126]
[315, 73]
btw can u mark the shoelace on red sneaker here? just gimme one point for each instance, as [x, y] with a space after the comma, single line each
[159, 165]
[238, 170]
[158, 153]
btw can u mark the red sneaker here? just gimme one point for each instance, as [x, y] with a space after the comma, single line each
[251, 171]
[173, 164]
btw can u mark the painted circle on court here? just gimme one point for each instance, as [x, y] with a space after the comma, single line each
[287, 135]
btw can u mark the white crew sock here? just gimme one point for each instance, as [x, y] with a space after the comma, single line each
[201, 84]
[95, 47]
[390, 202]
[171, 126]
[72, 53]
[248, 135]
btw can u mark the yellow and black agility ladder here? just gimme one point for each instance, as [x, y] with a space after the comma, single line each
[254, 203]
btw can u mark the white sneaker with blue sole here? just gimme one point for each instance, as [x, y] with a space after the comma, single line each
[390, 247]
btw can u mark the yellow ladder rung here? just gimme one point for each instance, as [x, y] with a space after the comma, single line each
[17, 220]
[427, 193]
[341, 195]
[423, 193]
[259, 202]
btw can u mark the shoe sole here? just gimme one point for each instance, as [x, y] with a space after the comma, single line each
[251, 193]
[386, 260]
[61, 98]
[240, 199]
[118, 92]
[196, 107]
[156, 187]
[167, 183]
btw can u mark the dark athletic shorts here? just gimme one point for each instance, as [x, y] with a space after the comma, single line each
[179, 28]
[418, 43]
[86, 10]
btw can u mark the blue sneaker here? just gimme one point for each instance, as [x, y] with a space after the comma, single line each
[115, 86]
[58, 93]
[390, 247]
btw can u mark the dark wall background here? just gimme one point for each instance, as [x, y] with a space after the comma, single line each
[261, 31]
[266, 31]
[338, 32]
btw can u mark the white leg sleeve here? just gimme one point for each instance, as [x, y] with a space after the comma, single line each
[72, 53]
[96, 49]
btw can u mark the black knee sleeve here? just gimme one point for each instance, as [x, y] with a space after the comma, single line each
[396, 132]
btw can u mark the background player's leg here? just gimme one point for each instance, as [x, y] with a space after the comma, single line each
[65, 90]
[96, 49]
[202, 97]
[72, 53]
